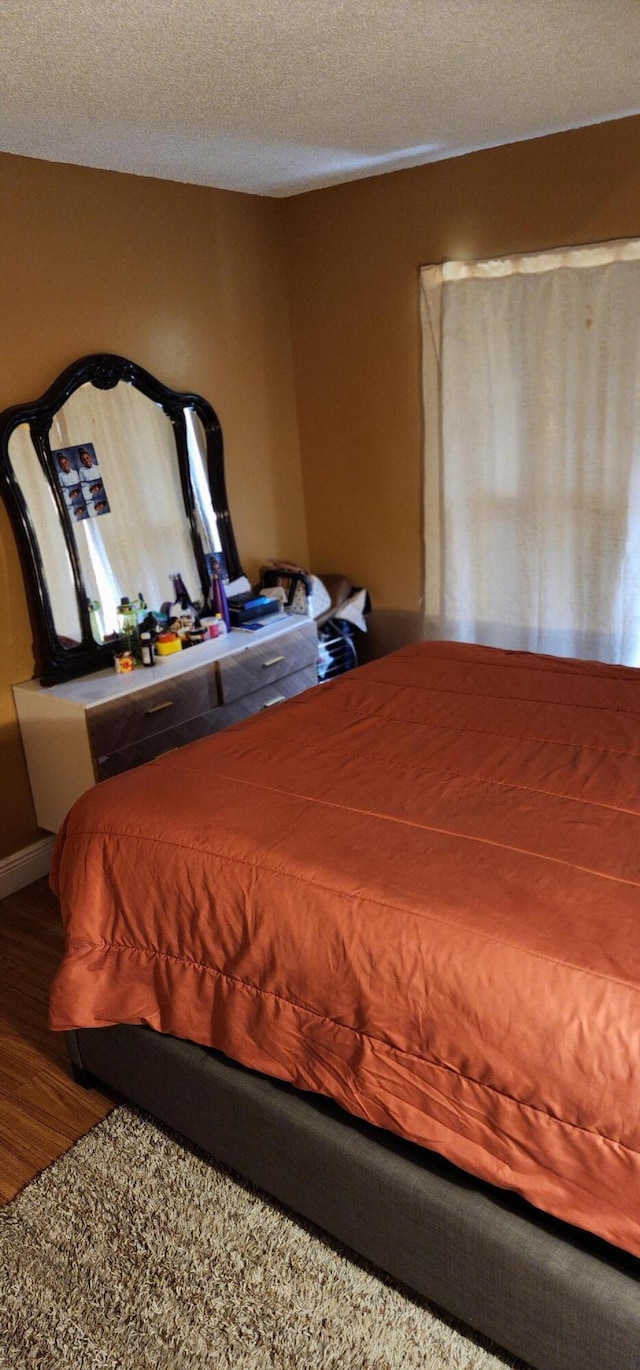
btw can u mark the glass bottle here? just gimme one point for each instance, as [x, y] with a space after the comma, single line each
[146, 650]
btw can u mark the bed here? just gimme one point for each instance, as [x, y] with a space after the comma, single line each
[380, 951]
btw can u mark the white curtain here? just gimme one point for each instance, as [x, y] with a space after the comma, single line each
[532, 451]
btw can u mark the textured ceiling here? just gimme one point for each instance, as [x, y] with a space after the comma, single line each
[280, 96]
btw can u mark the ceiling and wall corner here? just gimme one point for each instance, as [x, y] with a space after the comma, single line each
[276, 97]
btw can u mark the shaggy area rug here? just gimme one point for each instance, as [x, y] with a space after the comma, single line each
[134, 1251]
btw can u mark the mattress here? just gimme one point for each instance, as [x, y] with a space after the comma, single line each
[414, 890]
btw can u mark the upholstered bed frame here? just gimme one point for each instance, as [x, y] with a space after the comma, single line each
[548, 1293]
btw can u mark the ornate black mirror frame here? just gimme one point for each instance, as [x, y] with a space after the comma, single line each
[56, 660]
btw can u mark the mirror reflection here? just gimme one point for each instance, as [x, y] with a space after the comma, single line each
[45, 518]
[206, 521]
[115, 460]
[116, 486]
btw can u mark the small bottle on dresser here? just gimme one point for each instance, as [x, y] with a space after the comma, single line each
[146, 650]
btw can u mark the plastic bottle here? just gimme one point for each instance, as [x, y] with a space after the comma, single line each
[182, 607]
[219, 604]
[127, 617]
[180, 592]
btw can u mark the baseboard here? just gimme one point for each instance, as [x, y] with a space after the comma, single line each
[22, 867]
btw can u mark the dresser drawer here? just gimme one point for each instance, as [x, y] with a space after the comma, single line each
[153, 709]
[267, 662]
[96, 727]
[268, 695]
[147, 749]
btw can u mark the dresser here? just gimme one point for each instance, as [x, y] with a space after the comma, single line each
[89, 729]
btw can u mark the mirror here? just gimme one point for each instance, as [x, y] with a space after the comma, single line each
[115, 483]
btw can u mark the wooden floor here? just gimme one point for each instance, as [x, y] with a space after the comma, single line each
[42, 1111]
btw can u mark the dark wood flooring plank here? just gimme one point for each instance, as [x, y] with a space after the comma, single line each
[42, 1110]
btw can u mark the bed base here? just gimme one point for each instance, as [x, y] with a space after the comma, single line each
[546, 1292]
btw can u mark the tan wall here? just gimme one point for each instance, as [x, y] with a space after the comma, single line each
[355, 251]
[190, 283]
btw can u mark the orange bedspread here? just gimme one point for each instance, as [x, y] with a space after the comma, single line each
[415, 889]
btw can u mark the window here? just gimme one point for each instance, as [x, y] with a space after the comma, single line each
[532, 451]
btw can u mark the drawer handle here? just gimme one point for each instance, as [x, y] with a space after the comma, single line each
[278, 700]
[273, 661]
[157, 708]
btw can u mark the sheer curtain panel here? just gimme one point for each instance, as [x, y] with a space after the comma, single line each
[531, 386]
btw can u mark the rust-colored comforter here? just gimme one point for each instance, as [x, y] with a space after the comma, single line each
[416, 890]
